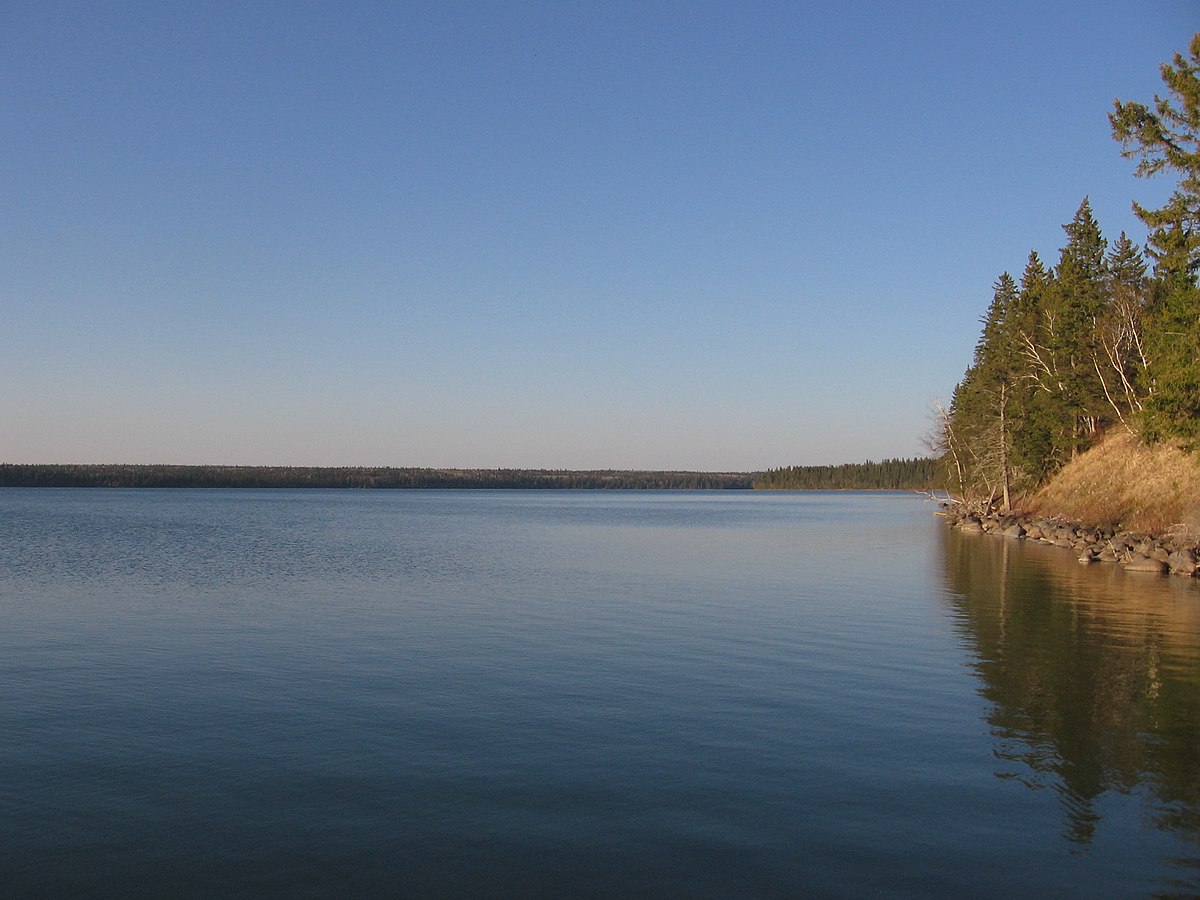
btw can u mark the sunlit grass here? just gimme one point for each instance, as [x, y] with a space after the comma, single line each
[1123, 483]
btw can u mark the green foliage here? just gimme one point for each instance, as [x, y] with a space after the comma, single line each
[985, 401]
[1174, 344]
[1166, 139]
[1037, 432]
[1095, 342]
[918, 474]
[1059, 360]
[1077, 302]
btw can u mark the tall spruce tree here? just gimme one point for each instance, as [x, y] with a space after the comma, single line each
[981, 424]
[1040, 428]
[1077, 303]
[996, 361]
[1166, 139]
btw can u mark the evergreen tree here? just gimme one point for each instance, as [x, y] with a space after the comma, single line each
[1036, 283]
[890, 474]
[981, 410]
[1077, 303]
[1093, 341]
[1166, 139]
[1041, 429]
[1173, 344]
[1126, 268]
[996, 365]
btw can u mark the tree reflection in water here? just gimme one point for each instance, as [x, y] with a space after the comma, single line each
[1093, 679]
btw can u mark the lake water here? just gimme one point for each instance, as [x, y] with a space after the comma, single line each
[460, 693]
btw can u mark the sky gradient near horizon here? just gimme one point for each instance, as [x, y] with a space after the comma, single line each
[669, 235]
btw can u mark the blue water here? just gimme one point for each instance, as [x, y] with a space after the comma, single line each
[461, 693]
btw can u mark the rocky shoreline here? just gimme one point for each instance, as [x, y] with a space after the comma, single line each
[1176, 553]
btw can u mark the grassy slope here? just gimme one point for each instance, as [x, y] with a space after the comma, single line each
[1125, 484]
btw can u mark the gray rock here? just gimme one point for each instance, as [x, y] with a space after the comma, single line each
[1145, 564]
[1182, 562]
[1014, 531]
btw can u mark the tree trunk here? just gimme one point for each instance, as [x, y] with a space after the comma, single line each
[1006, 473]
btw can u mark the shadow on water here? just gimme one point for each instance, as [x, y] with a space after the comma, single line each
[1092, 676]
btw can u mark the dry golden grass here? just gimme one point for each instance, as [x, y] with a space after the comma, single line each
[1124, 484]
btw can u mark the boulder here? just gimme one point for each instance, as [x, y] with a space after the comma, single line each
[1175, 553]
[1182, 562]
[1145, 564]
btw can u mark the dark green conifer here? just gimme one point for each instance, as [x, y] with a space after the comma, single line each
[982, 406]
[1077, 305]
[1093, 342]
[1038, 422]
[1166, 139]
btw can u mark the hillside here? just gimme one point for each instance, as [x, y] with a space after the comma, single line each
[1123, 483]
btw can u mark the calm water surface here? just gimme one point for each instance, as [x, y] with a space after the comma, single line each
[327, 693]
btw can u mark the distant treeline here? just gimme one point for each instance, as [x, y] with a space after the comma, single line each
[890, 475]
[165, 476]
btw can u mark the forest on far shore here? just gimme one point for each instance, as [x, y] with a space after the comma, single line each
[891, 474]
[918, 474]
[167, 476]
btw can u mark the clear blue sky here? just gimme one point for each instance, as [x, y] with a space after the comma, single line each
[536, 234]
